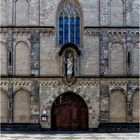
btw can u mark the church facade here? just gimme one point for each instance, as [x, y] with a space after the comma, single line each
[69, 64]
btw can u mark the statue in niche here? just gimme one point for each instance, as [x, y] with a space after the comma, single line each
[69, 64]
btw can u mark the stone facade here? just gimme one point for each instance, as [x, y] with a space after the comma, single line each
[32, 68]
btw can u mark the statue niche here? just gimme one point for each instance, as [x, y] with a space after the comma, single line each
[70, 54]
[69, 63]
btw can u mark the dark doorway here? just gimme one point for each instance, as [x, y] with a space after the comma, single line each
[69, 113]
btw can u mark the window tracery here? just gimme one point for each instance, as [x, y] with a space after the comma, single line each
[69, 23]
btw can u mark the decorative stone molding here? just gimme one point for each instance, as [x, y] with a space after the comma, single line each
[135, 37]
[69, 80]
[3, 38]
[4, 83]
[87, 83]
[118, 88]
[114, 37]
[3, 89]
[21, 83]
[91, 32]
[118, 83]
[49, 83]
[49, 31]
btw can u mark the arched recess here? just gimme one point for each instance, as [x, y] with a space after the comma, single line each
[23, 66]
[3, 58]
[135, 13]
[135, 107]
[4, 12]
[116, 12]
[22, 107]
[69, 17]
[69, 112]
[22, 12]
[4, 106]
[118, 106]
[70, 59]
[117, 60]
[136, 59]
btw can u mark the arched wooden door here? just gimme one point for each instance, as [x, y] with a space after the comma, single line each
[70, 113]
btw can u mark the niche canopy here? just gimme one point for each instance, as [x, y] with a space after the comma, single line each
[69, 46]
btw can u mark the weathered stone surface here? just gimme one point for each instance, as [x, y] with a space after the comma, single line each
[109, 48]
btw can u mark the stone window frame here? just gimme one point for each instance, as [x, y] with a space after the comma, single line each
[77, 5]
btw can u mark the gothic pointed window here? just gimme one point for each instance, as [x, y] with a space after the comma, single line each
[69, 23]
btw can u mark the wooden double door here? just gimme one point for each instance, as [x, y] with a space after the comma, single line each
[70, 113]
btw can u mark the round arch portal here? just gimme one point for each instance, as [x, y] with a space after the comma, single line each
[69, 113]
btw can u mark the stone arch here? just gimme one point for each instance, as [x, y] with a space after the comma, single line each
[22, 12]
[120, 89]
[118, 104]
[75, 53]
[4, 100]
[3, 58]
[73, 1]
[116, 12]
[22, 57]
[69, 111]
[22, 107]
[82, 95]
[22, 88]
[65, 90]
[117, 59]
[135, 59]
[135, 106]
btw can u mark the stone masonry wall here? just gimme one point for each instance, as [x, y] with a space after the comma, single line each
[44, 12]
[94, 91]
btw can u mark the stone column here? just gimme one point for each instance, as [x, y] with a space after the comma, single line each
[35, 102]
[35, 54]
[104, 12]
[104, 54]
[14, 12]
[10, 52]
[10, 103]
[129, 53]
[129, 102]
[104, 102]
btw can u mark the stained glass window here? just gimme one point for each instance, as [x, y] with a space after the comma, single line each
[69, 24]
[77, 30]
[72, 30]
[60, 30]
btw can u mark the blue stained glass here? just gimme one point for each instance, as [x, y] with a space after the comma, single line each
[66, 20]
[60, 21]
[60, 37]
[69, 24]
[72, 30]
[60, 30]
[77, 31]
[77, 21]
